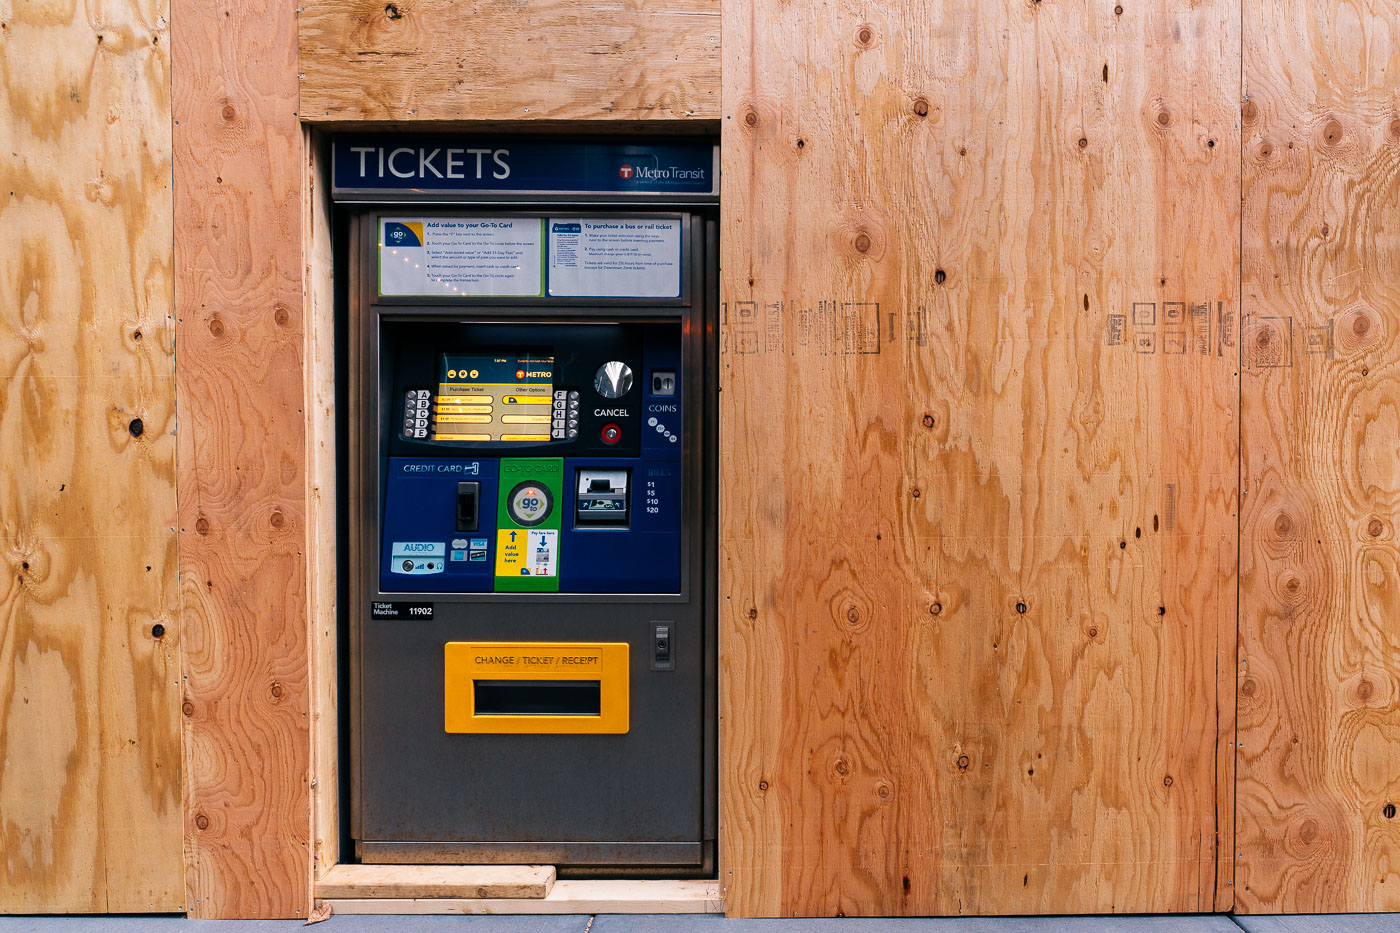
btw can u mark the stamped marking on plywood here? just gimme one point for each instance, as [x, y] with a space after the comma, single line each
[1176, 328]
[828, 327]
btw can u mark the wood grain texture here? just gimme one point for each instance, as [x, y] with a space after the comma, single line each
[1319, 679]
[518, 60]
[239, 220]
[322, 580]
[89, 633]
[565, 897]
[434, 881]
[979, 505]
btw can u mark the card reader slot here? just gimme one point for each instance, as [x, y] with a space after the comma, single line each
[537, 697]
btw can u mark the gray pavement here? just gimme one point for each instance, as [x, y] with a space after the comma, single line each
[653, 923]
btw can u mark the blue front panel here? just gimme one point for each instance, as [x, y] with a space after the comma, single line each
[420, 527]
[643, 558]
[420, 554]
[422, 551]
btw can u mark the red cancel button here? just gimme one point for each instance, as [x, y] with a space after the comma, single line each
[611, 434]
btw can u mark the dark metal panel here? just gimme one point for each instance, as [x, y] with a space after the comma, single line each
[596, 800]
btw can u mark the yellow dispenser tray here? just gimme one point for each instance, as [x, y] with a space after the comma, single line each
[535, 687]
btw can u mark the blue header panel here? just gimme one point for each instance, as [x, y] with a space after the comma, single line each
[401, 164]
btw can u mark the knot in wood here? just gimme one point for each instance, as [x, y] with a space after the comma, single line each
[201, 821]
[882, 791]
[1249, 111]
[1332, 131]
[751, 118]
[136, 427]
[753, 613]
[1164, 117]
[216, 327]
[392, 11]
[963, 762]
[1283, 524]
[853, 615]
[1021, 608]
[1083, 142]
[1307, 831]
[187, 708]
[1167, 781]
[201, 526]
[1093, 632]
[157, 631]
[928, 420]
[1365, 689]
[276, 519]
[1374, 527]
[1361, 325]
[862, 242]
[865, 36]
[228, 113]
[280, 315]
[920, 107]
[1388, 811]
[939, 276]
[1248, 688]
[916, 492]
[936, 608]
[763, 785]
[275, 690]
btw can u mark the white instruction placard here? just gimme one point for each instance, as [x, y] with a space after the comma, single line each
[461, 256]
[615, 257]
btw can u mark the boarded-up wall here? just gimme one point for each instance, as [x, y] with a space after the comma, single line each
[239, 183]
[89, 635]
[517, 60]
[979, 464]
[1319, 687]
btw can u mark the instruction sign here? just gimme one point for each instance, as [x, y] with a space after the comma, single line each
[527, 553]
[464, 256]
[615, 257]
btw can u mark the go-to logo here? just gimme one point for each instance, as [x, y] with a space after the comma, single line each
[625, 172]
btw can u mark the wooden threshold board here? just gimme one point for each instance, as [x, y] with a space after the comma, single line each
[566, 897]
[436, 881]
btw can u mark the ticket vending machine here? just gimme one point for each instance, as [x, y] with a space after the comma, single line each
[530, 505]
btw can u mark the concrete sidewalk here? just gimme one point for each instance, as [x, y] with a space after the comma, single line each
[694, 923]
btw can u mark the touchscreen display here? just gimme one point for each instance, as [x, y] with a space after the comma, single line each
[501, 397]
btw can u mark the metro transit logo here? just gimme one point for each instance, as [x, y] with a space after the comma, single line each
[625, 172]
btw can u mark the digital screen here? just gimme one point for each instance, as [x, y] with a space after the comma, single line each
[499, 398]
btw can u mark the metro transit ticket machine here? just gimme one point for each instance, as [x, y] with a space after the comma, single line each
[530, 505]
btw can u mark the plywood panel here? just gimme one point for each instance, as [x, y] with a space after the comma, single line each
[520, 60]
[239, 182]
[321, 511]
[1319, 678]
[89, 633]
[377, 882]
[979, 511]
